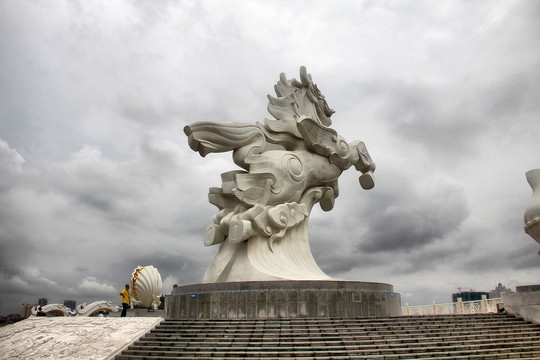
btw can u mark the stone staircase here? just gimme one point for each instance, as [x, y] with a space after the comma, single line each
[481, 336]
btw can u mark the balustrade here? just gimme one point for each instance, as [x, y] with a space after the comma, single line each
[483, 306]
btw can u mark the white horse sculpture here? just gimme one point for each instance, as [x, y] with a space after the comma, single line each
[289, 164]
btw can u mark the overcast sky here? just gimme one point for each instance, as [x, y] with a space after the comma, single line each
[96, 176]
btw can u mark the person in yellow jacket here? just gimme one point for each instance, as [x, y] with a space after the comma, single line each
[126, 301]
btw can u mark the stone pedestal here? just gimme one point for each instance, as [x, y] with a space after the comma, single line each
[283, 299]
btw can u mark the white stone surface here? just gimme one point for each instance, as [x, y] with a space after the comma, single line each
[289, 165]
[71, 337]
[523, 304]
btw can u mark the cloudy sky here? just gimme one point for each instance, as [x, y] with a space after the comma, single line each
[96, 176]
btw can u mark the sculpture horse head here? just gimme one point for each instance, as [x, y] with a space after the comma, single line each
[298, 100]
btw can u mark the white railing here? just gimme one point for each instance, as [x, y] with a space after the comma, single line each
[483, 306]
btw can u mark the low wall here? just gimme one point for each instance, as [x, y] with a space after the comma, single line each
[283, 299]
[525, 303]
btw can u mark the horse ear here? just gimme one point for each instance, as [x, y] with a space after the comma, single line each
[305, 77]
[283, 78]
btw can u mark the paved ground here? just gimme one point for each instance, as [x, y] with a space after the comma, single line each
[71, 337]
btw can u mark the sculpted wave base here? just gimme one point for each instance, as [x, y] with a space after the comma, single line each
[283, 299]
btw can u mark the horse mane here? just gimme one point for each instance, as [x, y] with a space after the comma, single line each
[298, 100]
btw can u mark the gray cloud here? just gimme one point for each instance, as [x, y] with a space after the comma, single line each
[415, 221]
[431, 117]
[96, 176]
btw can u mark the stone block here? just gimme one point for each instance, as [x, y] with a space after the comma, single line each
[192, 308]
[183, 306]
[313, 309]
[223, 308]
[292, 309]
[251, 310]
[322, 295]
[281, 304]
[261, 311]
[302, 309]
[292, 295]
[332, 305]
[323, 310]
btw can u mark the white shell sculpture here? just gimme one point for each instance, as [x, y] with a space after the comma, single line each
[146, 286]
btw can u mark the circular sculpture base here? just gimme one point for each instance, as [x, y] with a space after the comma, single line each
[283, 299]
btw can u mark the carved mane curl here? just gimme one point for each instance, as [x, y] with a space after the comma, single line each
[298, 100]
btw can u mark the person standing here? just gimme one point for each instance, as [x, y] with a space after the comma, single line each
[126, 301]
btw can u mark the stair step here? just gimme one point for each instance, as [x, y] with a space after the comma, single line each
[486, 336]
[317, 352]
[337, 344]
[340, 336]
[336, 339]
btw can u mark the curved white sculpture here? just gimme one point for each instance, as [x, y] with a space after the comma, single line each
[290, 164]
[146, 286]
[532, 213]
[53, 309]
[81, 310]
[89, 310]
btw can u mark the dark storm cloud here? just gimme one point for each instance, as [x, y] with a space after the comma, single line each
[513, 94]
[525, 261]
[337, 261]
[517, 256]
[411, 224]
[133, 208]
[408, 226]
[96, 174]
[344, 264]
[10, 255]
[431, 117]
[409, 213]
[440, 254]
[166, 261]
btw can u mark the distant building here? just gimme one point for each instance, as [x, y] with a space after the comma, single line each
[26, 310]
[72, 304]
[43, 301]
[469, 295]
[498, 291]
